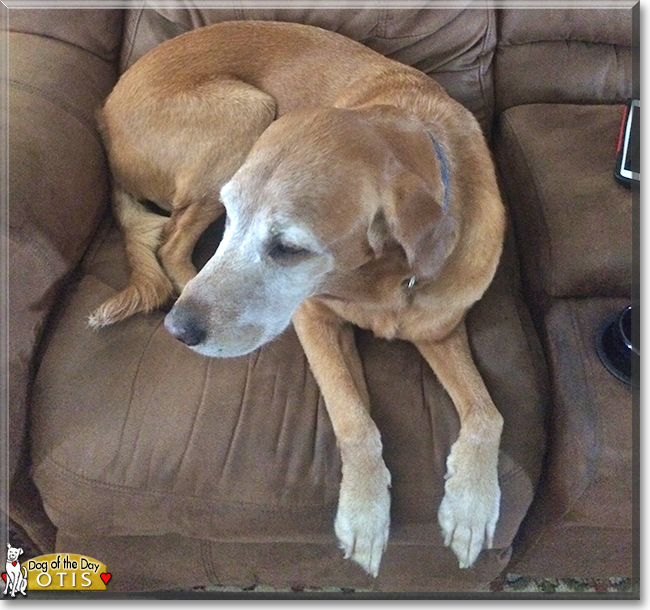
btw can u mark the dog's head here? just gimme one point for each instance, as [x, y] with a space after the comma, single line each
[13, 553]
[325, 201]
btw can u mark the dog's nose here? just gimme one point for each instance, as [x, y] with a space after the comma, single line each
[186, 325]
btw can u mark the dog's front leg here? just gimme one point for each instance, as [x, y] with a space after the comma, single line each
[469, 510]
[363, 515]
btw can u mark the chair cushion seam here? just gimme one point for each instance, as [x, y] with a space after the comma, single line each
[70, 110]
[538, 191]
[67, 43]
[563, 40]
[63, 471]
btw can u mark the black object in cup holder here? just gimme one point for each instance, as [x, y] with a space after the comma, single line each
[617, 347]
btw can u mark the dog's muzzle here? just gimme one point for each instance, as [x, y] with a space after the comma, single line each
[196, 328]
[186, 325]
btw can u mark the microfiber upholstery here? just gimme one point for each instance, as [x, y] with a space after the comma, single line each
[58, 190]
[564, 200]
[585, 505]
[132, 426]
[566, 56]
[178, 471]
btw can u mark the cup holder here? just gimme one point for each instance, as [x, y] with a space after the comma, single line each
[617, 348]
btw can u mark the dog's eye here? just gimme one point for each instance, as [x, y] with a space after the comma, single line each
[280, 250]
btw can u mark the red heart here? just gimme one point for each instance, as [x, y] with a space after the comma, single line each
[13, 563]
[4, 576]
[105, 576]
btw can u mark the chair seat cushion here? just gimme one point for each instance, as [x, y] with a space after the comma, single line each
[573, 220]
[136, 435]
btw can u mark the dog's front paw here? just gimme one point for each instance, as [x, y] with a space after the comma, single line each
[363, 516]
[469, 510]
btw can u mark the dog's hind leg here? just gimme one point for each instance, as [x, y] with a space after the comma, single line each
[227, 117]
[181, 233]
[178, 151]
[23, 580]
[149, 287]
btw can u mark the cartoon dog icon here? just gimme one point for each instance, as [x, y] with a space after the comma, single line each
[16, 579]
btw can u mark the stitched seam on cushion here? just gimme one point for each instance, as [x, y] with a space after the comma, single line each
[200, 17]
[487, 31]
[589, 391]
[67, 43]
[111, 224]
[381, 26]
[547, 527]
[457, 71]
[252, 361]
[204, 390]
[483, 67]
[239, 11]
[406, 37]
[515, 471]
[537, 375]
[133, 387]
[64, 42]
[63, 471]
[208, 563]
[564, 40]
[581, 493]
[538, 191]
[131, 41]
[70, 110]
[425, 405]
[36, 242]
[591, 527]
[93, 483]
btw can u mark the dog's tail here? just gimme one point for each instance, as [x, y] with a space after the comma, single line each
[149, 286]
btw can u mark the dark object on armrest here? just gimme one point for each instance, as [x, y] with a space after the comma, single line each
[616, 347]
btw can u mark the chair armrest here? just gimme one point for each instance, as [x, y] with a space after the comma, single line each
[58, 182]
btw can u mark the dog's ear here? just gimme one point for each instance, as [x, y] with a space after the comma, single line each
[8, 545]
[415, 219]
[378, 233]
[20, 551]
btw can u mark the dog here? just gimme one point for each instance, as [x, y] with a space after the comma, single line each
[356, 192]
[16, 574]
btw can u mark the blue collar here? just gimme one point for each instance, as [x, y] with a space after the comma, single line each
[444, 170]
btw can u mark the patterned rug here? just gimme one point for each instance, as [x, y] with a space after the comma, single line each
[515, 583]
[505, 584]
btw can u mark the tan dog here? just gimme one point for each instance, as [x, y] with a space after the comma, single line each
[371, 199]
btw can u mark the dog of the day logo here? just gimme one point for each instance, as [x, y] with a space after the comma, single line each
[54, 572]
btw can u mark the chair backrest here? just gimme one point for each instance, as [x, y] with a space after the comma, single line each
[578, 56]
[454, 46]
